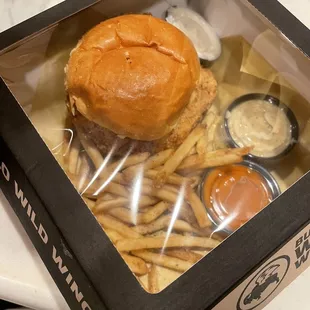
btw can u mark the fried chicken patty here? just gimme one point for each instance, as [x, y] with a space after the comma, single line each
[201, 99]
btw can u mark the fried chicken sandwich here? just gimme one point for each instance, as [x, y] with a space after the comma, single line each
[136, 80]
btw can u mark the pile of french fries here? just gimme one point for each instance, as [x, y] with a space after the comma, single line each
[147, 203]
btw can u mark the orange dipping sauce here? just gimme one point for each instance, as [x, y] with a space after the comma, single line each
[234, 194]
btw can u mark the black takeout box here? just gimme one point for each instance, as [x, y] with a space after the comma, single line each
[244, 272]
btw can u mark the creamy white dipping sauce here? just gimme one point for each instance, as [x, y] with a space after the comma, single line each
[260, 124]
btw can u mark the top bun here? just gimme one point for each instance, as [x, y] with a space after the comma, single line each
[134, 75]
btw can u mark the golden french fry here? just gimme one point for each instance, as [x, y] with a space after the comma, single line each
[116, 177]
[152, 163]
[81, 178]
[121, 164]
[163, 260]
[98, 160]
[164, 222]
[211, 134]
[153, 285]
[106, 205]
[135, 264]
[91, 150]
[111, 223]
[157, 159]
[74, 155]
[184, 254]
[65, 149]
[150, 176]
[185, 213]
[202, 145]
[156, 225]
[115, 189]
[195, 181]
[153, 213]
[113, 235]
[213, 159]
[147, 182]
[107, 197]
[175, 160]
[173, 179]
[165, 193]
[210, 162]
[78, 165]
[192, 151]
[203, 142]
[198, 208]
[126, 216]
[175, 241]
[90, 187]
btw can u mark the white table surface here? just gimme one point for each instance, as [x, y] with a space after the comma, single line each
[23, 277]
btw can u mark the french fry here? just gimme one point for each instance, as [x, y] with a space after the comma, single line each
[106, 205]
[153, 213]
[74, 155]
[65, 149]
[150, 175]
[90, 203]
[153, 284]
[136, 264]
[115, 189]
[203, 142]
[91, 150]
[173, 179]
[211, 134]
[195, 181]
[161, 242]
[192, 151]
[163, 193]
[164, 222]
[213, 159]
[175, 160]
[163, 260]
[111, 223]
[106, 197]
[198, 208]
[113, 235]
[91, 186]
[78, 165]
[185, 213]
[121, 164]
[126, 216]
[152, 163]
[157, 159]
[184, 254]
[156, 225]
[81, 178]
[147, 182]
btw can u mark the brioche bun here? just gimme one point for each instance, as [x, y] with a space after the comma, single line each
[133, 75]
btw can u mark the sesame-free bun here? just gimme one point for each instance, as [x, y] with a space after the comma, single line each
[134, 75]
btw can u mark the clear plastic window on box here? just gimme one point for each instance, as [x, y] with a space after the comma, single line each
[166, 203]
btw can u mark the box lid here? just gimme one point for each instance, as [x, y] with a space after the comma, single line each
[39, 22]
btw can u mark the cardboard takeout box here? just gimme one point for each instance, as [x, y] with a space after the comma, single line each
[263, 51]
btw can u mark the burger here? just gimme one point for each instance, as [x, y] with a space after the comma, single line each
[135, 81]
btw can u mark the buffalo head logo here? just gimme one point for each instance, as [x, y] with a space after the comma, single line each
[264, 283]
[267, 277]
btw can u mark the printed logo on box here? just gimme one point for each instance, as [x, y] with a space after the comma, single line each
[264, 283]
